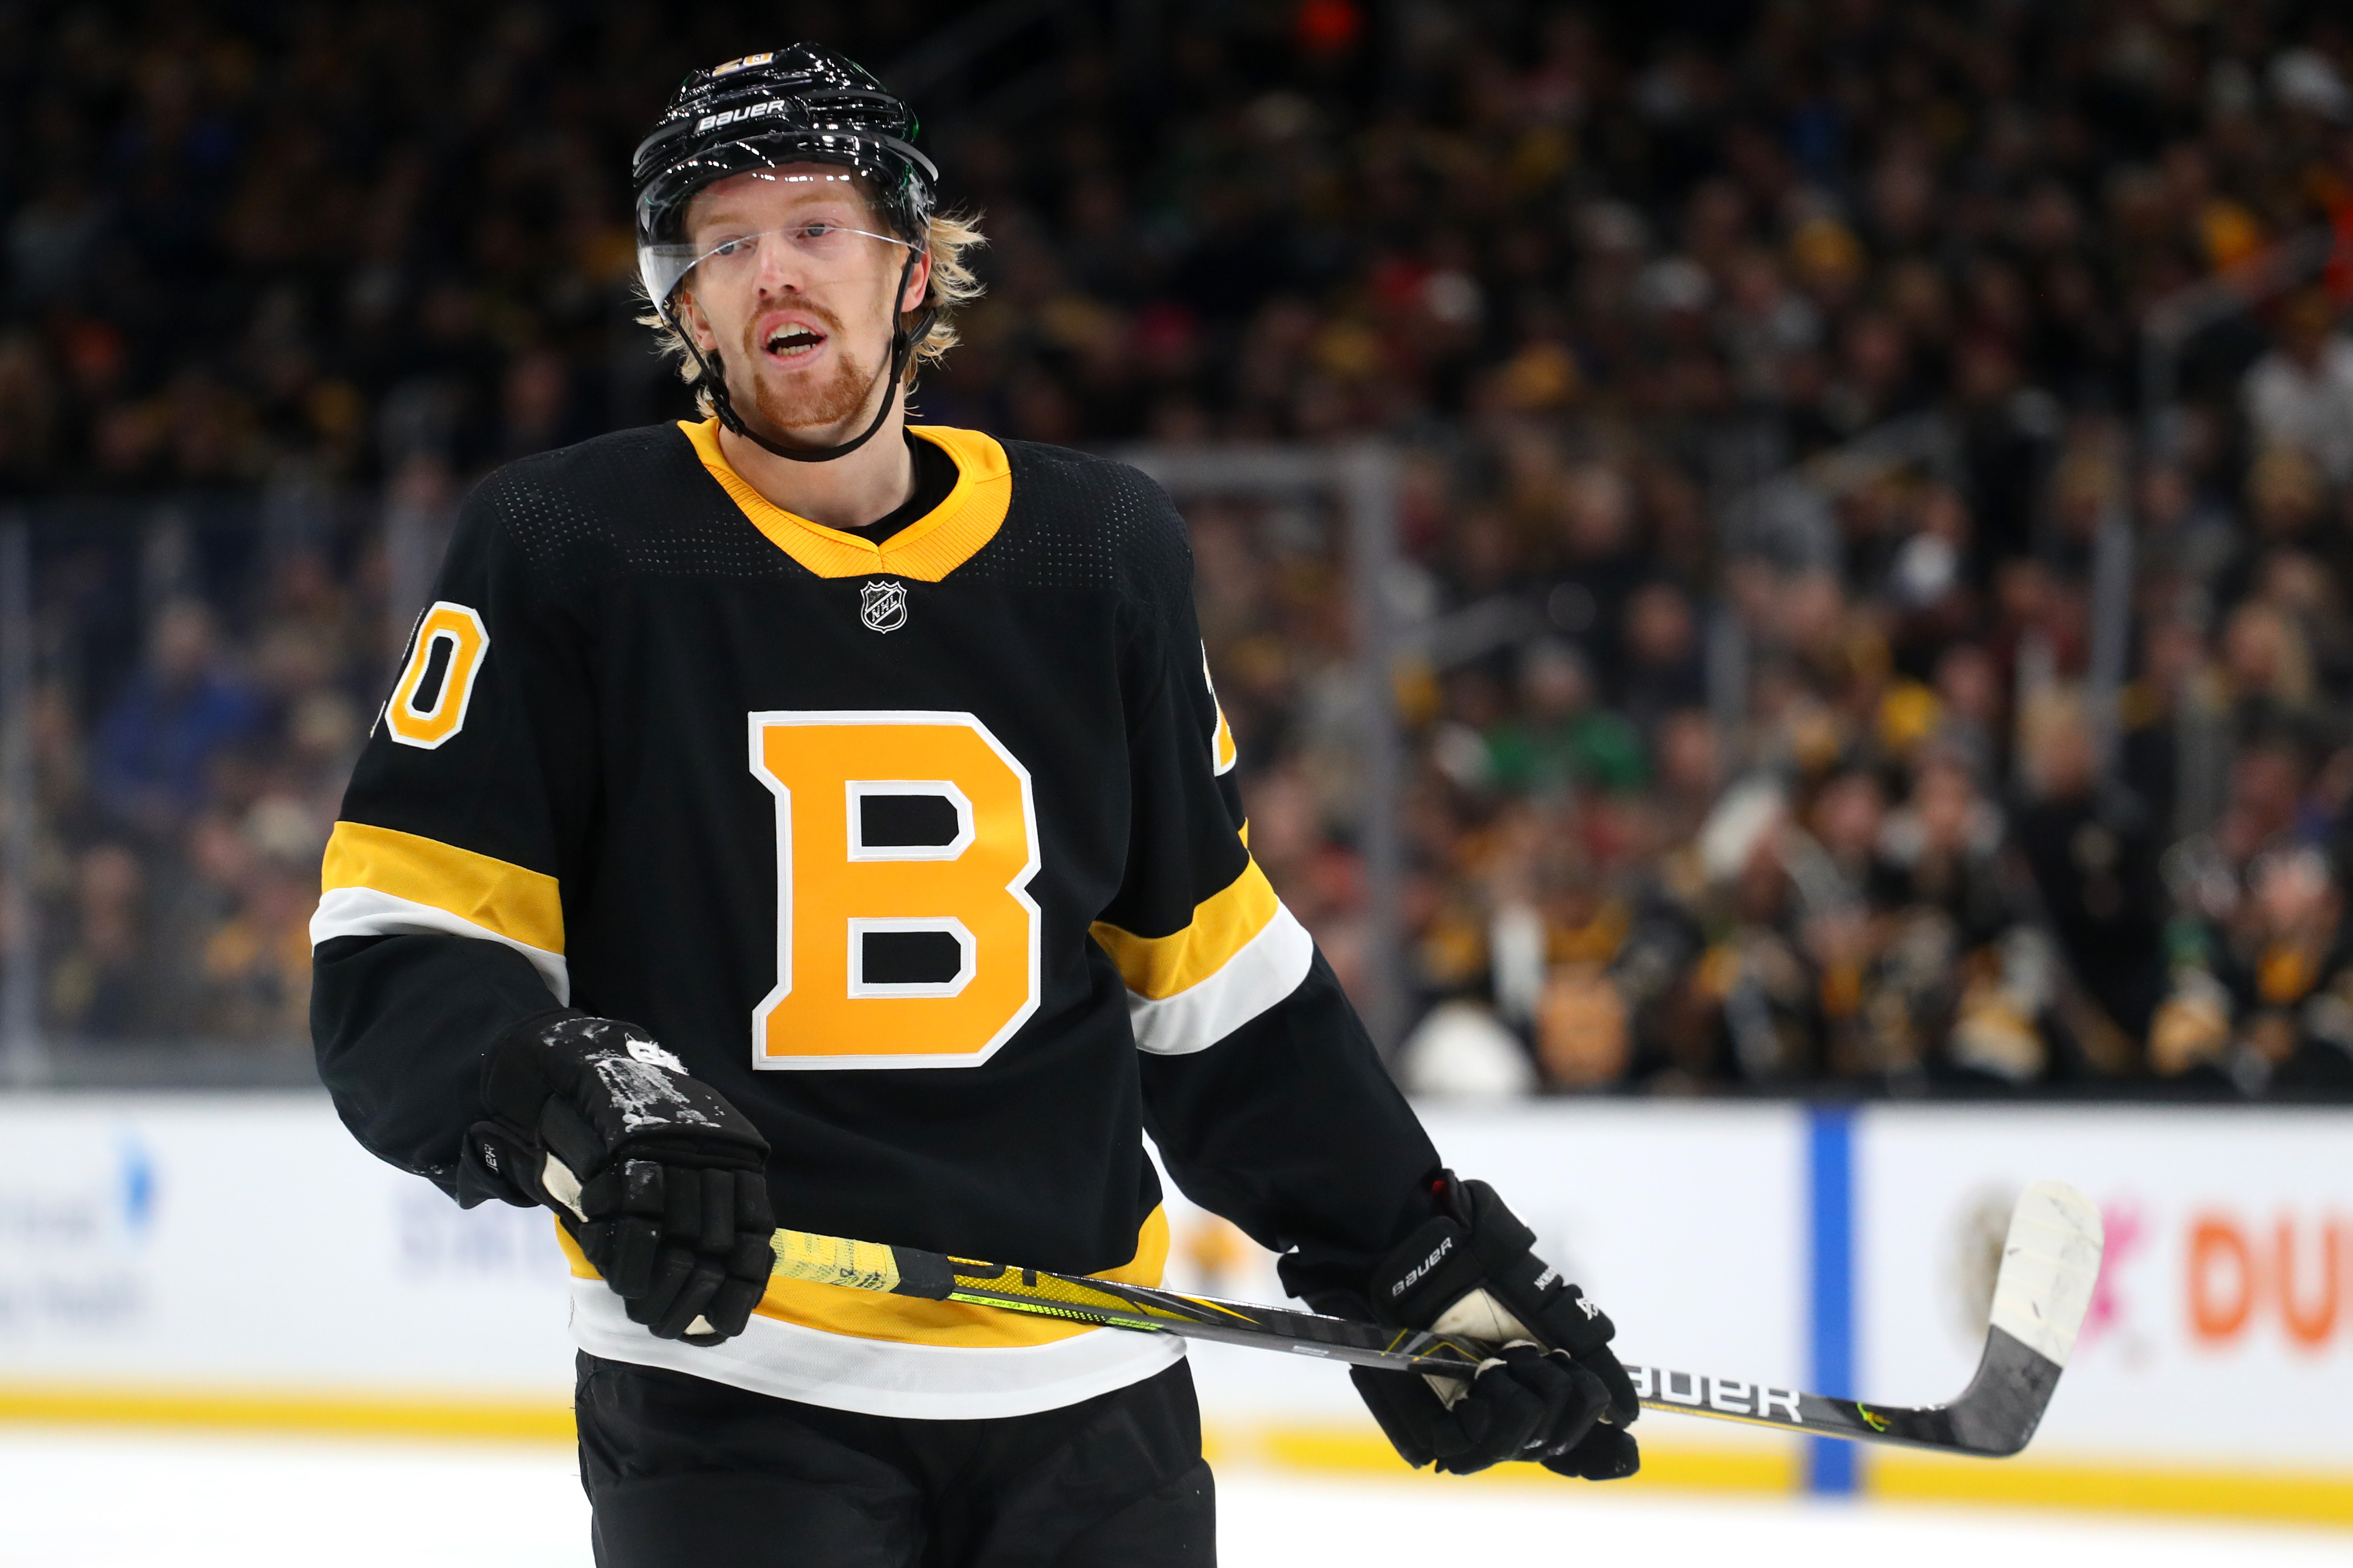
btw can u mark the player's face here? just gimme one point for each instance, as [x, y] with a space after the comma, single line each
[795, 291]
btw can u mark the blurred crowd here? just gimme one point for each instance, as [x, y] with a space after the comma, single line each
[1833, 655]
[181, 816]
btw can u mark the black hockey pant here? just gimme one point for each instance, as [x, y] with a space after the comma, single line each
[682, 1471]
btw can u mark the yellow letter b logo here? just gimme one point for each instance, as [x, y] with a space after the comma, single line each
[904, 936]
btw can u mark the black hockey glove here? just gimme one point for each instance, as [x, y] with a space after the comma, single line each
[1552, 1392]
[658, 1178]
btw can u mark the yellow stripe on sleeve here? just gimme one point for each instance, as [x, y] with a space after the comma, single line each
[502, 898]
[1158, 967]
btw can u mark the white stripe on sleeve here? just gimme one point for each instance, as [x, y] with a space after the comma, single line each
[1261, 972]
[364, 911]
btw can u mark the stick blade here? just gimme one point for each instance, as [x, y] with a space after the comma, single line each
[2050, 1261]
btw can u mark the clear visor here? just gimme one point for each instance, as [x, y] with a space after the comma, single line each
[818, 243]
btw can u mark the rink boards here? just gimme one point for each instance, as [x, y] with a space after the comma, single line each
[237, 1261]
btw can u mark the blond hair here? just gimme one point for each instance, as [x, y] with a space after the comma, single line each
[949, 240]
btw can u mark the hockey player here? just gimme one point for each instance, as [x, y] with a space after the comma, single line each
[801, 813]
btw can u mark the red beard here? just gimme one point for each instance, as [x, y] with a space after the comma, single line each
[841, 395]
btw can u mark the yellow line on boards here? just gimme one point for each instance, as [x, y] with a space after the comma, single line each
[2312, 1498]
[354, 1415]
[2284, 1496]
[1345, 1450]
[1892, 1476]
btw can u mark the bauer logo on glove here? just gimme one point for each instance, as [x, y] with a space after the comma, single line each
[1551, 1391]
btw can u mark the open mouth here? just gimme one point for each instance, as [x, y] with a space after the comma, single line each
[794, 340]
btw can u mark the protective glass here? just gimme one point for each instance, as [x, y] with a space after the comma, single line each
[821, 243]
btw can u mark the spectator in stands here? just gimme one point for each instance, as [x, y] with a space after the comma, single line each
[98, 987]
[1720, 977]
[2090, 847]
[1939, 908]
[257, 962]
[2262, 999]
[2300, 396]
[1663, 663]
[1561, 740]
[174, 717]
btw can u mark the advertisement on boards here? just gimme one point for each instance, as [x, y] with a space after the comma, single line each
[244, 1241]
[2221, 1329]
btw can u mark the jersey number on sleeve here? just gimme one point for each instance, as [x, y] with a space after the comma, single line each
[904, 937]
[428, 701]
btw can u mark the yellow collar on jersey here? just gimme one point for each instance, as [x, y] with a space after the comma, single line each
[927, 548]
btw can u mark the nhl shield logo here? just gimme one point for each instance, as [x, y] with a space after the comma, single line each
[883, 607]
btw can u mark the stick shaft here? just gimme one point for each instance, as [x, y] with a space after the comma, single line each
[1791, 1409]
[910, 1271]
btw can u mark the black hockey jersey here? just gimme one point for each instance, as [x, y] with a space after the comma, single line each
[924, 852]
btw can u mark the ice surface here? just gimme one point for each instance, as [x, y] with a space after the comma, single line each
[90, 1501]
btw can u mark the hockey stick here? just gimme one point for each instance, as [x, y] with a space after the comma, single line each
[2048, 1264]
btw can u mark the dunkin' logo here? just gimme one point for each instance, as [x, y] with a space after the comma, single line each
[2288, 1269]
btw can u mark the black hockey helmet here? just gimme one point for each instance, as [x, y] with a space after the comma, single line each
[798, 105]
[803, 104]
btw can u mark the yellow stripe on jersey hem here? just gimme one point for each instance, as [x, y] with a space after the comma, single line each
[927, 548]
[503, 899]
[1159, 967]
[911, 1320]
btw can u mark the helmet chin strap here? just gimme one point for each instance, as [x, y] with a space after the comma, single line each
[902, 347]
